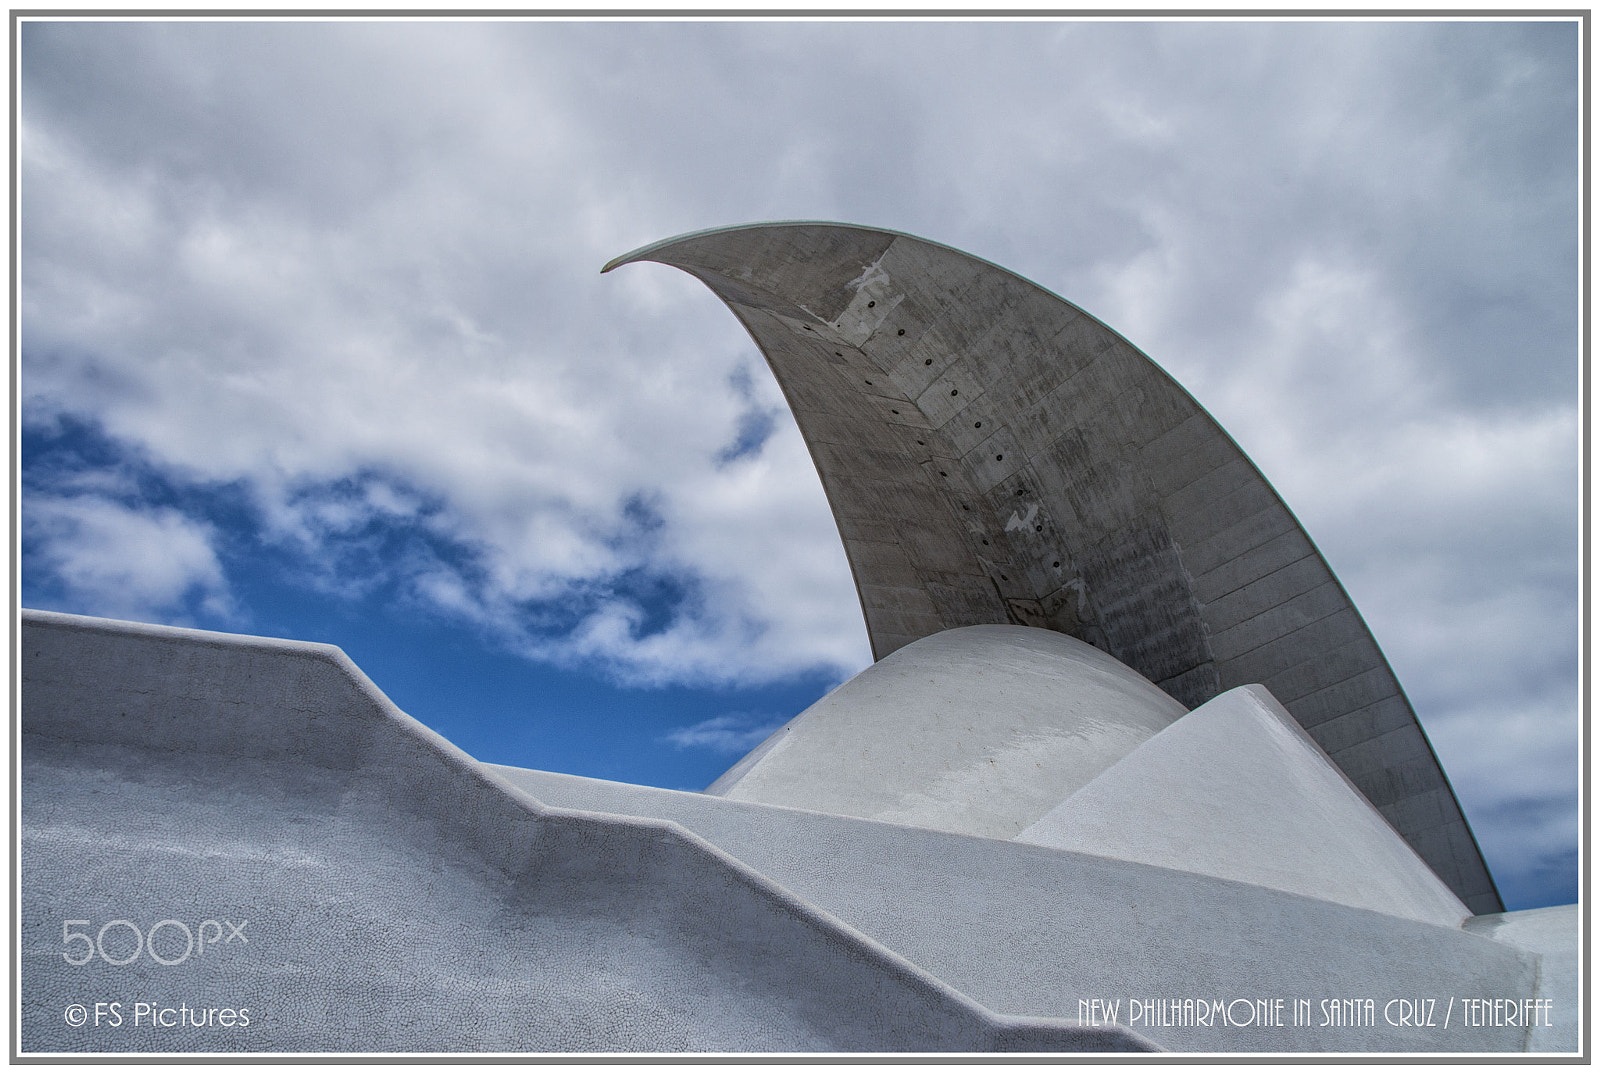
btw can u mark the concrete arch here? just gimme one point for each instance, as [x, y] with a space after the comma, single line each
[994, 454]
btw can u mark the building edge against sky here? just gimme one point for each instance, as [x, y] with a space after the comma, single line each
[393, 894]
[1032, 510]
[993, 454]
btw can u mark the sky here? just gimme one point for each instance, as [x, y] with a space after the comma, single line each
[314, 344]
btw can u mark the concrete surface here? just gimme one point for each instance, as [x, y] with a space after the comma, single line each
[1023, 928]
[395, 895]
[1237, 789]
[1554, 934]
[392, 895]
[978, 730]
[994, 454]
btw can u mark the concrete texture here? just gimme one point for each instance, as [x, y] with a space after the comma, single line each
[398, 896]
[1024, 928]
[1237, 789]
[393, 895]
[1554, 934]
[993, 454]
[979, 730]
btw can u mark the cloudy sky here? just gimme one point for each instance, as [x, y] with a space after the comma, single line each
[315, 344]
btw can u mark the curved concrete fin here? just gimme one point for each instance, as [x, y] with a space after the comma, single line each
[1237, 789]
[994, 454]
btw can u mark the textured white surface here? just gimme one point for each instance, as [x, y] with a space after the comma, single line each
[977, 730]
[403, 897]
[1025, 928]
[398, 896]
[1553, 933]
[1236, 789]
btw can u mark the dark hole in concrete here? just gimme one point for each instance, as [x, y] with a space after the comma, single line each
[997, 458]
[943, 474]
[977, 425]
[955, 391]
[901, 332]
[927, 361]
[1038, 529]
[871, 304]
[986, 540]
[1057, 563]
[894, 412]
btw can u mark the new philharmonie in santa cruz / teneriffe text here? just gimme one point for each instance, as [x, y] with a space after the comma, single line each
[1130, 772]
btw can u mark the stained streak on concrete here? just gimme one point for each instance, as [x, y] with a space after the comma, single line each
[943, 397]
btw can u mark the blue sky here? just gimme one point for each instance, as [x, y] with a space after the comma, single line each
[314, 344]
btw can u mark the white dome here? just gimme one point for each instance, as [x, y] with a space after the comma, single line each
[979, 730]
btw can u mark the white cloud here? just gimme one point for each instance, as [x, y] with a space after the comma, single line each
[733, 733]
[353, 268]
[1527, 825]
[126, 563]
[264, 342]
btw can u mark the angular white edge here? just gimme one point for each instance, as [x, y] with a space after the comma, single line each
[489, 815]
[1236, 789]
